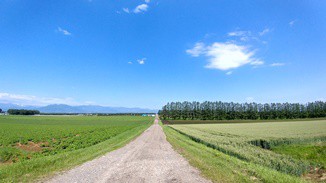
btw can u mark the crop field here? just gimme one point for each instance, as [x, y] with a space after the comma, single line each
[29, 144]
[290, 148]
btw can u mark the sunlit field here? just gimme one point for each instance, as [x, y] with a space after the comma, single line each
[292, 148]
[28, 144]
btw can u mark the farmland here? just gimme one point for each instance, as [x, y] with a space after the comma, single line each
[31, 146]
[266, 152]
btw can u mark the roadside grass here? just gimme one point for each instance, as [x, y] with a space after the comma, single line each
[40, 167]
[220, 167]
[315, 152]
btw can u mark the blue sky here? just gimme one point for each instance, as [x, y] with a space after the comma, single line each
[146, 53]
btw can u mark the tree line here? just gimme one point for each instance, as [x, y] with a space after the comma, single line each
[241, 111]
[22, 112]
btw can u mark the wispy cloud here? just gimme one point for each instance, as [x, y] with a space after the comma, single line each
[129, 62]
[34, 100]
[265, 31]
[291, 23]
[126, 10]
[63, 31]
[138, 9]
[247, 36]
[243, 35]
[141, 8]
[225, 56]
[277, 64]
[257, 62]
[238, 33]
[229, 73]
[197, 50]
[141, 61]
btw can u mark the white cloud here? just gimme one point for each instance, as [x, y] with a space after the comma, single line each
[197, 50]
[147, 1]
[257, 62]
[291, 23]
[244, 38]
[238, 33]
[229, 73]
[243, 35]
[225, 56]
[63, 31]
[34, 100]
[141, 8]
[129, 62]
[265, 31]
[126, 10]
[141, 61]
[277, 64]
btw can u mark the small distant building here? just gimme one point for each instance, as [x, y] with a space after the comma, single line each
[153, 115]
[3, 113]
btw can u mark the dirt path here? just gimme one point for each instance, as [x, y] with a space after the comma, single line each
[149, 158]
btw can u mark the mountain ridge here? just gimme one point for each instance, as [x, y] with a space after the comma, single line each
[64, 108]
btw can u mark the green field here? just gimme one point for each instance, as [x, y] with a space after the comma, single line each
[32, 146]
[276, 151]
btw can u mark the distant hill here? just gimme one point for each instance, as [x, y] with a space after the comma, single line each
[62, 108]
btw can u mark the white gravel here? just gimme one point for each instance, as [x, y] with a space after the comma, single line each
[149, 158]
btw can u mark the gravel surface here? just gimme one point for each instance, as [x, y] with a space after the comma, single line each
[149, 158]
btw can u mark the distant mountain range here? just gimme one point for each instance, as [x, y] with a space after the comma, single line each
[62, 108]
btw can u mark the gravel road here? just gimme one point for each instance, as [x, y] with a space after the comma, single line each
[148, 158]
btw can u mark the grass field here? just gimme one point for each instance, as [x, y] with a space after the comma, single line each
[288, 148]
[33, 146]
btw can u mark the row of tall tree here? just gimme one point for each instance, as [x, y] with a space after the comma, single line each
[22, 112]
[231, 111]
